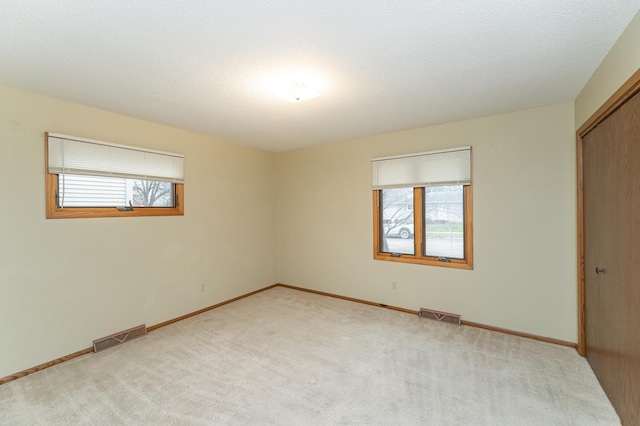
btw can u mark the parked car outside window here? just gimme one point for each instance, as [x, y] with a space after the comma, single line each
[402, 228]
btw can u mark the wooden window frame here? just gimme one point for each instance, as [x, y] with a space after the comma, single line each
[55, 212]
[418, 220]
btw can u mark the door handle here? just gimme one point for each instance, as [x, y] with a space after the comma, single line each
[599, 270]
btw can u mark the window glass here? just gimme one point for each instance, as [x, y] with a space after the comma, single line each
[98, 191]
[437, 231]
[396, 213]
[444, 221]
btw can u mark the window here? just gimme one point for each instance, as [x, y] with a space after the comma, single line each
[100, 191]
[422, 206]
[87, 178]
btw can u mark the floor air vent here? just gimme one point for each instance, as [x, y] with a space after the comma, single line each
[119, 338]
[440, 316]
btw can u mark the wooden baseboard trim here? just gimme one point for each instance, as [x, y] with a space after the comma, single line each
[60, 360]
[209, 308]
[350, 299]
[521, 334]
[467, 323]
[41, 367]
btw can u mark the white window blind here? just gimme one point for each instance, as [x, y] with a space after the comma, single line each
[72, 155]
[435, 168]
[92, 191]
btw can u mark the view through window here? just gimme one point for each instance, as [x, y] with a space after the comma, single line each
[443, 214]
[100, 191]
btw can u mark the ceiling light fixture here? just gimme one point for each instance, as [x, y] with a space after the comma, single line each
[297, 92]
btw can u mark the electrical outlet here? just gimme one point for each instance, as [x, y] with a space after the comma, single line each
[202, 287]
[394, 285]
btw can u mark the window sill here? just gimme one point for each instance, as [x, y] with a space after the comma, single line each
[75, 212]
[407, 258]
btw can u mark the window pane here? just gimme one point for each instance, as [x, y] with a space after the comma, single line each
[396, 213]
[98, 191]
[151, 193]
[444, 221]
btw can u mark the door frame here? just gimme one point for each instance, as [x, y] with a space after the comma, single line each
[622, 95]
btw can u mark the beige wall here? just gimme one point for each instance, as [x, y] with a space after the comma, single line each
[620, 63]
[66, 282]
[524, 218]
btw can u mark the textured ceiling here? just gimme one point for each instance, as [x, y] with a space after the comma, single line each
[380, 66]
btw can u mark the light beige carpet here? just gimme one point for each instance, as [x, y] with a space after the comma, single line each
[286, 357]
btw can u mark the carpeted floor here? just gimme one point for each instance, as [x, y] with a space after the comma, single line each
[286, 357]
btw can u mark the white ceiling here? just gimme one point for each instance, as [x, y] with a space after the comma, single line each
[381, 66]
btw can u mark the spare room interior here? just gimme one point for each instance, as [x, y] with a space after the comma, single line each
[396, 158]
